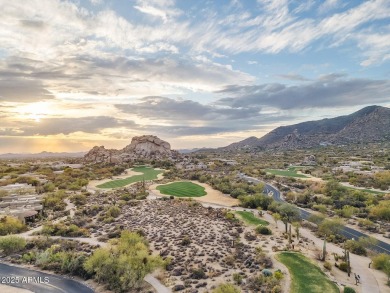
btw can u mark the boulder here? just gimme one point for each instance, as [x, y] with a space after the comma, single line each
[141, 147]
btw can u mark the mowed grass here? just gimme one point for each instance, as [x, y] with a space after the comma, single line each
[290, 172]
[251, 219]
[182, 189]
[148, 174]
[306, 276]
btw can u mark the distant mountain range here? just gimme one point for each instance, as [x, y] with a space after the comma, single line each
[188, 151]
[42, 155]
[370, 124]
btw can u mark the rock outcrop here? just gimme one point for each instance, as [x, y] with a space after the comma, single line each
[141, 147]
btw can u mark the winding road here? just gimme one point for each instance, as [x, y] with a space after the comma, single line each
[36, 281]
[349, 233]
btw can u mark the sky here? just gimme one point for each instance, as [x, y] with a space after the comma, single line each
[74, 74]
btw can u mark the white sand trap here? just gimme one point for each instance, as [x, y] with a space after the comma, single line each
[213, 196]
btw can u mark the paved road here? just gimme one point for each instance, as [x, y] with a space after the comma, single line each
[349, 233]
[39, 282]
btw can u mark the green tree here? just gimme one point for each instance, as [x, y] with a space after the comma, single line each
[276, 217]
[330, 227]
[289, 214]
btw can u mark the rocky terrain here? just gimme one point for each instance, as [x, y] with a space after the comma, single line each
[141, 147]
[370, 124]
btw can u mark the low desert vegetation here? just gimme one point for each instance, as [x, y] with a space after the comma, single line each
[11, 225]
[123, 266]
[12, 244]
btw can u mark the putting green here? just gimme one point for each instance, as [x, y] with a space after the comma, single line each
[148, 174]
[182, 189]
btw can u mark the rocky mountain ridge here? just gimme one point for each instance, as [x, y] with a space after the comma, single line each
[141, 147]
[370, 124]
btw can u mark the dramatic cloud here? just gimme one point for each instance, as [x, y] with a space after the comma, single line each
[218, 69]
[23, 90]
[328, 91]
[170, 109]
[53, 126]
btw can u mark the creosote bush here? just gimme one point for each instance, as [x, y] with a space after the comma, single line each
[226, 288]
[263, 230]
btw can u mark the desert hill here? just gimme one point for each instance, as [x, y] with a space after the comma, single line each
[370, 124]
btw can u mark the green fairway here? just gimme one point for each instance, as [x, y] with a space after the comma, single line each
[306, 276]
[290, 172]
[251, 219]
[148, 174]
[182, 189]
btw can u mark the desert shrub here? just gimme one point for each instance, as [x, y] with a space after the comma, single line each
[11, 225]
[55, 201]
[343, 266]
[198, 273]
[349, 290]
[61, 229]
[380, 261]
[185, 241]
[108, 220]
[230, 260]
[29, 257]
[255, 201]
[237, 278]
[12, 244]
[263, 230]
[328, 266]
[124, 266]
[113, 211]
[230, 216]
[278, 275]
[79, 199]
[261, 283]
[226, 288]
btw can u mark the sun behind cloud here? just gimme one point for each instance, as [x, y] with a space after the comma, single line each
[34, 111]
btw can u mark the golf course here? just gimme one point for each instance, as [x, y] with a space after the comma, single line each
[290, 172]
[251, 219]
[305, 275]
[182, 189]
[148, 173]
